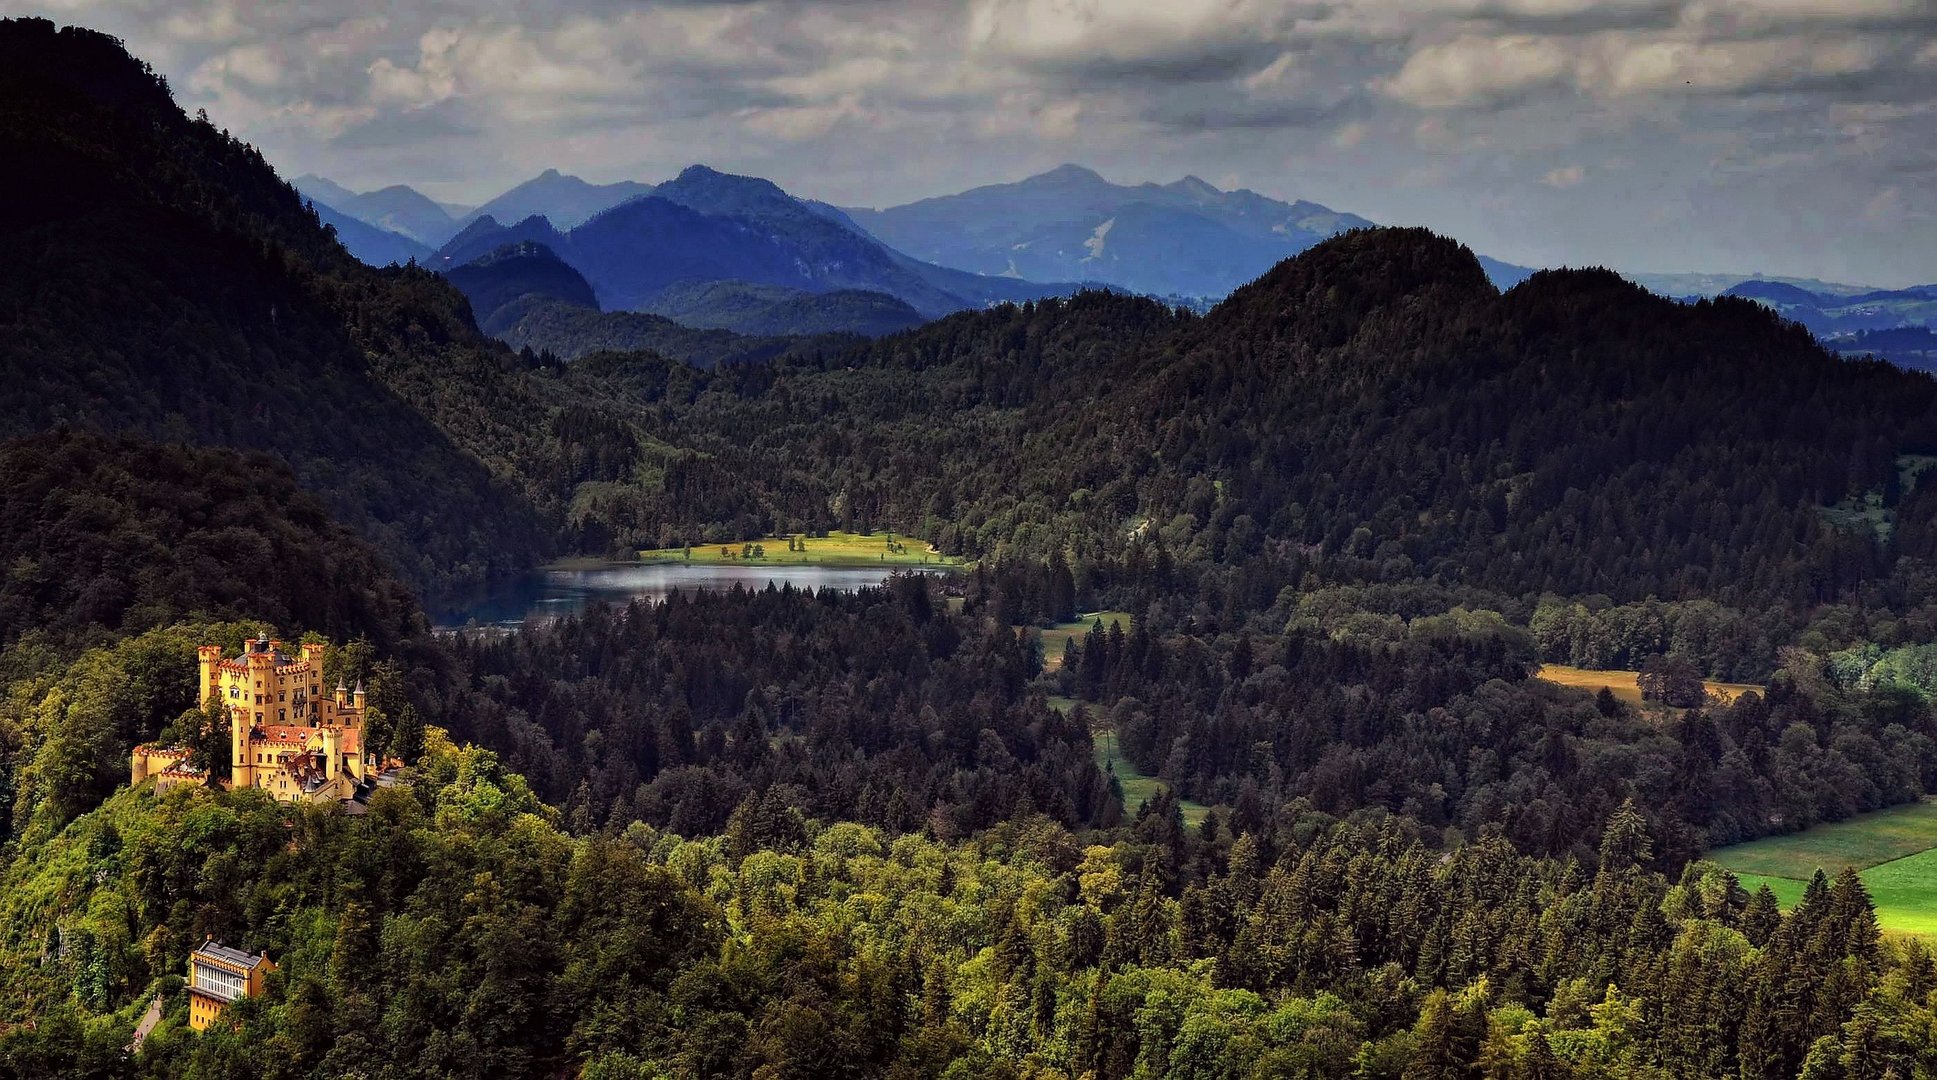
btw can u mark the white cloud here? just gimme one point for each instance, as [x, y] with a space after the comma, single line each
[1406, 110]
[1472, 70]
[1565, 177]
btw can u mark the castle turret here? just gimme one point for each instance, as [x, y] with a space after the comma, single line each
[209, 655]
[356, 698]
[242, 770]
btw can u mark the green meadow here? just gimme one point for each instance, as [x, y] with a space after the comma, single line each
[799, 549]
[1894, 851]
[1138, 787]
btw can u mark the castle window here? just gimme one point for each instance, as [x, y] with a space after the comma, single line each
[282, 695]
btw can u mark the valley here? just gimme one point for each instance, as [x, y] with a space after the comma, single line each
[689, 629]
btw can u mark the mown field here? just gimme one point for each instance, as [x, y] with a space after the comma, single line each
[1894, 852]
[1623, 682]
[834, 549]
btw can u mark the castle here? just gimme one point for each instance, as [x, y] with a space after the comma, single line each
[285, 736]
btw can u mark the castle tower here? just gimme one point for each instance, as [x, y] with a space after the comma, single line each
[242, 769]
[210, 655]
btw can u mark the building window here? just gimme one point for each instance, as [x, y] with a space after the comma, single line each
[223, 984]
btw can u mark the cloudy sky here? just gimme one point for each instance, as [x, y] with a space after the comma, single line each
[1779, 136]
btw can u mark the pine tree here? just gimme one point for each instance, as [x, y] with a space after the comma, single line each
[407, 738]
[1762, 916]
[1434, 1054]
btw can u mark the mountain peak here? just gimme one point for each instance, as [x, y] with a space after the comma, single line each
[1069, 174]
[1335, 282]
[710, 191]
[1196, 185]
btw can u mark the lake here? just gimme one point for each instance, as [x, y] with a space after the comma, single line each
[552, 593]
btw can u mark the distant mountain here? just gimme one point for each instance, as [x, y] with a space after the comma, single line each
[563, 200]
[404, 210]
[1188, 238]
[516, 271]
[322, 189]
[507, 286]
[708, 226]
[399, 208]
[570, 333]
[371, 245]
[1699, 284]
[1834, 315]
[485, 235]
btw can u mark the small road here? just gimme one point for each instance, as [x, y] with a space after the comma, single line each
[148, 1021]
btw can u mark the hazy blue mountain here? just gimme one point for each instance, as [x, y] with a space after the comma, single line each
[1701, 284]
[563, 200]
[1504, 275]
[485, 235]
[322, 189]
[404, 210]
[370, 244]
[399, 208]
[1185, 238]
[516, 271]
[708, 226]
[1830, 315]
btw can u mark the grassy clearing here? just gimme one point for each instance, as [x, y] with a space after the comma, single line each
[1056, 638]
[1138, 787]
[1623, 684]
[834, 549]
[1862, 841]
[1865, 511]
[1894, 851]
[1904, 893]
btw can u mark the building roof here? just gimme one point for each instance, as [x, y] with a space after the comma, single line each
[227, 955]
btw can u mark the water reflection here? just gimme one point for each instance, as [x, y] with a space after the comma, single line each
[551, 594]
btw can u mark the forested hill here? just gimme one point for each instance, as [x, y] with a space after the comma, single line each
[1376, 408]
[157, 278]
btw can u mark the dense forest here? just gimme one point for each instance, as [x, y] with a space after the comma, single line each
[1304, 810]
[456, 929]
